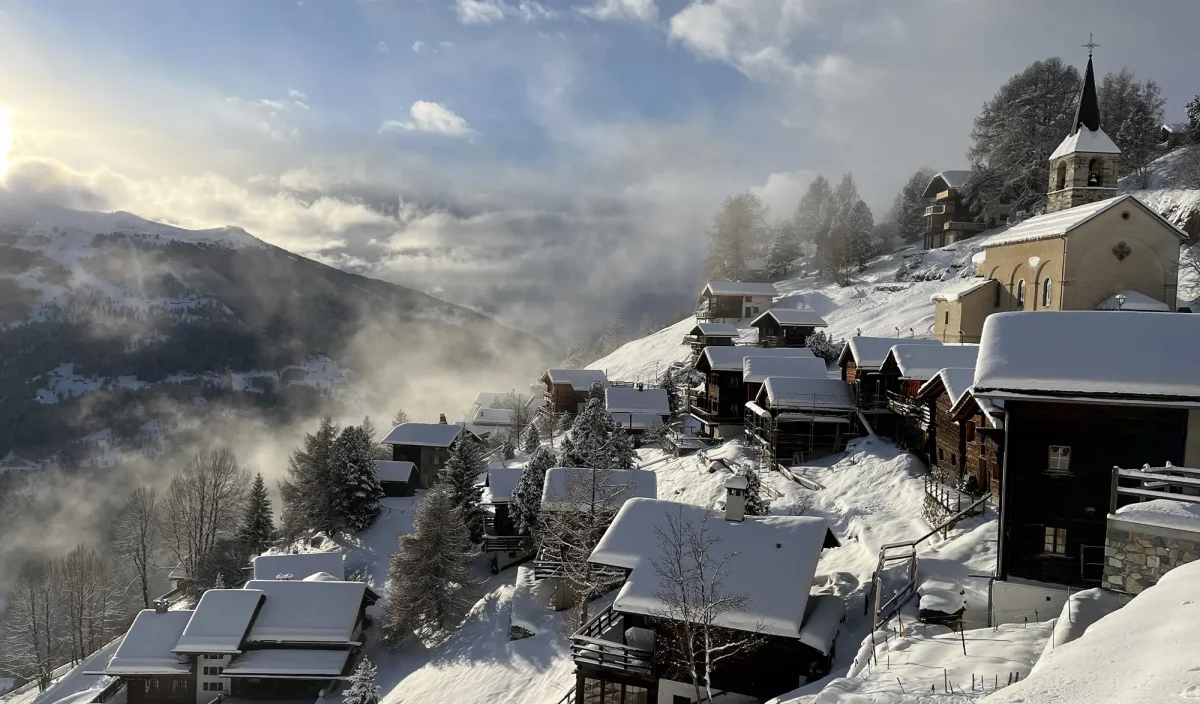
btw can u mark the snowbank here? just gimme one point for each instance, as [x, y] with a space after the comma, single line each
[1164, 513]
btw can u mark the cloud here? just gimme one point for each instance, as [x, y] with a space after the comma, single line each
[381, 47]
[445, 45]
[296, 95]
[491, 11]
[418, 46]
[754, 36]
[431, 117]
[636, 10]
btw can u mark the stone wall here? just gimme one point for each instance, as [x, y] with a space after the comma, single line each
[1137, 555]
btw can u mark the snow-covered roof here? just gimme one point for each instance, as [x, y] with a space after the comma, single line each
[869, 352]
[493, 416]
[1095, 354]
[579, 379]
[146, 648]
[298, 566]
[715, 330]
[793, 316]
[822, 618]
[792, 393]
[220, 621]
[757, 369]
[739, 288]
[1164, 513]
[307, 612]
[922, 362]
[631, 399]
[1175, 127]
[784, 547]
[637, 421]
[946, 179]
[486, 399]
[731, 358]
[1086, 141]
[423, 434]
[1132, 300]
[960, 288]
[619, 486]
[956, 381]
[1064, 221]
[284, 662]
[501, 482]
[394, 471]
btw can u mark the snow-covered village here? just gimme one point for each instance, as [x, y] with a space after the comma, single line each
[932, 453]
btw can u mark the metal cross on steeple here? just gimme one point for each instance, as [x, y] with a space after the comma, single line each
[1090, 45]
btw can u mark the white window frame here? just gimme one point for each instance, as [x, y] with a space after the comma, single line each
[1054, 540]
[1058, 460]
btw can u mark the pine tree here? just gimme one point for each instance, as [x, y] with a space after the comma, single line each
[527, 494]
[811, 217]
[508, 449]
[756, 505]
[908, 209]
[355, 489]
[363, 688]
[460, 475]
[306, 490]
[400, 418]
[533, 439]
[596, 392]
[369, 428]
[429, 575]
[847, 245]
[738, 233]
[598, 441]
[578, 355]
[258, 530]
[613, 337]
[1138, 140]
[648, 326]
[1192, 110]
[784, 249]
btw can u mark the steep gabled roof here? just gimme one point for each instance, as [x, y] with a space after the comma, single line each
[423, 434]
[739, 288]
[946, 180]
[578, 379]
[630, 399]
[806, 394]
[146, 648]
[869, 352]
[307, 612]
[757, 369]
[715, 330]
[500, 484]
[731, 358]
[922, 362]
[220, 621]
[793, 316]
[955, 380]
[1063, 222]
[394, 471]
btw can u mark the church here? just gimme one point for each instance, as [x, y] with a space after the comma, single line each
[1092, 250]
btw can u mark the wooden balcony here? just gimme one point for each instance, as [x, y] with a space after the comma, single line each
[935, 210]
[601, 643]
[948, 194]
[961, 226]
[507, 543]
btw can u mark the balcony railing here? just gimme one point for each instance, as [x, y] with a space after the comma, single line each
[902, 405]
[964, 226]
[591, 645]
[507, 543]
[935, 210]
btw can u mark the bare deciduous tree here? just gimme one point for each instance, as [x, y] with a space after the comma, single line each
[692, 572]
[202, 507]
[135, 536]
[94, 607]
[32, 623]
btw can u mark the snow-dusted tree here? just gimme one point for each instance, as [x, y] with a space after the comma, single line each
[1123, 99]
[135, 538]
[822, 345]
[306, 495]
[400, 418]
[91, 599]
[564, 421]
[648, 326]
[32, 624]
[784, 248]
[518, 405]
[1192, 111]
[381, 452]
[363, 688]
[533, 439]
[692, 569]
[1138, 140]
[459, 476]
[258, 528]
[202, 506]
[908, 209]
[811, 217]
[429, 575]
[578, 355]
[614, 335]
[526, 501]
[598, 441]
[354, 485]
[508, 448]
[738, 233]
[1016, 132]
[756, 505]
[847, 245]
[596, 392]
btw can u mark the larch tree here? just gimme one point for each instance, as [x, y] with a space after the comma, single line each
[811, 218]
[135, 538]
[363, 689]
[738, 233]
[908, 208]
[31, 625]
[784, 248]
[527, 494]
[459, 476]
[429, 584]
[306, 491]
[258, 528]
[400, 418]
[354, 481]
[202, 507]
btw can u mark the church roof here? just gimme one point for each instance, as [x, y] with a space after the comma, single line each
[1063, 222]
[1087, 112]
[1086, 137]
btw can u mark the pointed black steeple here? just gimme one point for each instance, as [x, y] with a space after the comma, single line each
[1087, 113]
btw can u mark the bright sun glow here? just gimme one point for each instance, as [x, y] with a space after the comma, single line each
[6, 139]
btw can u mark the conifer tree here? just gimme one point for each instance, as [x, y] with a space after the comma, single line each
[533, 439]
[756, 505]
[400, 418]
[527, 494]
[306, 495]
[459, 475]
[258, 529]
[596, 392]
[738, 233]
[429, 575]
[648, 326]
[598, 441]
[508, 449]
[363, 688]
[908, 209]
[355, 491]
[811, 217]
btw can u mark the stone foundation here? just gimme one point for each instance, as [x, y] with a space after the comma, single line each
[1137, 555]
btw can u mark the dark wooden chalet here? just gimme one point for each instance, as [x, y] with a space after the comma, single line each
[733, 301]
[798, 419]
[396, 478]
[949, 487]
[715, 334]
[949, 218]
[905, 368]
[427, 446]
[566, 390]
[860, 361]
[719, 405]
[621, 653]
[982, 424]
[501, 537]
[787, 327]
[1082, 392]
[756, 370]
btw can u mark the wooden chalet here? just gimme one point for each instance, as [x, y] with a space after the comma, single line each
[948, 219]
[623, 654]
[501, 537]
[427, 446]
[786, 327]
[637, 408]
[396, 478]
[271, 640]
[982, 423]
[715, 334]
[795, 420]
[719, 405]
[756, 370]
[566, 390]
[1082, 391]
[860, 361]
[734, 301]
[905, 368]
[949, 486]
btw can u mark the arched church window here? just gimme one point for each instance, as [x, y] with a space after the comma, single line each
[1021, 294]
[1046, 295]
[1095, 178]
[1061, 180]
[996, 295]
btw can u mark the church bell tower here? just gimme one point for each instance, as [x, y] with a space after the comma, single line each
[1083, 169]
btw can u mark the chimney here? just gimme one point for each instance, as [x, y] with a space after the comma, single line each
[442, 418]
[160, 606]
[735, 498]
